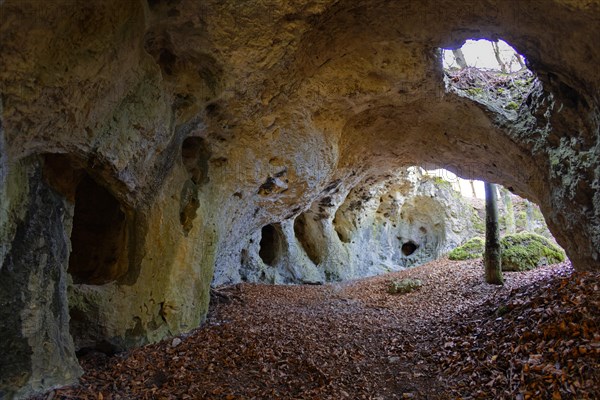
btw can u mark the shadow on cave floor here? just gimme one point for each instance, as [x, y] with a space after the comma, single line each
[535, 337]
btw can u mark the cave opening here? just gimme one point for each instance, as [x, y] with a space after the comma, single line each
[333, 90]
[270, 245]
[484, 54]
[307, 239]
[490, 72]
[409, 248]
[98, 237]
[99, 232]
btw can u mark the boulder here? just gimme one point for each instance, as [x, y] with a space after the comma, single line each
[520, 251]
[525, 251]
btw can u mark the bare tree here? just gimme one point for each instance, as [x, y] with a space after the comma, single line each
[473, 188]
[498, 58]
[460, 58]
[520, 61]
[493, 270]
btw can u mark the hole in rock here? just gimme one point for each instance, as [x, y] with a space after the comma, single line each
[306, 235]
[167, 60]
[489, 72]
[270, 245]
[484, 54]
[98, 237]
[409, 248]
[195, 156]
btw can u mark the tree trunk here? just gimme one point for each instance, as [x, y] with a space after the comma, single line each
[510, 210]
[528, 216]
[520, 61]
[498, 58]
[460, 58]
[473, 188]
[493, 270]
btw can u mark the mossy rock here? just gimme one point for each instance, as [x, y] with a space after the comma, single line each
[477, 223]
[404, 286]
[475, 91]
[472, 249]
[525, 251]
[441, 182]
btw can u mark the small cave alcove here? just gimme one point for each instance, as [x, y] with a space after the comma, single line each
[307, 238]
[99, 233]
[270, 245]
[342, 225]
[195, 155]
[341, 233]
[408, 248]
[98, 237]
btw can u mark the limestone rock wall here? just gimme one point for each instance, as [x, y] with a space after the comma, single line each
[377, 227]
[200, 123]
[37, 349]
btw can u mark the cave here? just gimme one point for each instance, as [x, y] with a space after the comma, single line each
[187, 115]
[308, 238]
[270, 245]
[98, 237]
[408, 248]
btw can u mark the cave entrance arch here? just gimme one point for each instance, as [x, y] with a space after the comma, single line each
[100, 228]
[511, 143]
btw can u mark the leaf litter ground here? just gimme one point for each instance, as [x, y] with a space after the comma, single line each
[536, 337]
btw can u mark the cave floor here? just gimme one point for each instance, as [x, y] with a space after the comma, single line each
[537, 336]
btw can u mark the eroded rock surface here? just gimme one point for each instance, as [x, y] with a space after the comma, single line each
[406, 220]
[37, 349]
[200, 123]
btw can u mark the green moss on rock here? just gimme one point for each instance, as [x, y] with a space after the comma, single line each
[471, 249]
[441, 182]
[525, 251]
[520, 251]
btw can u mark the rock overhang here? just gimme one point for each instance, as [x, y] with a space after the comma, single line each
[330, 91]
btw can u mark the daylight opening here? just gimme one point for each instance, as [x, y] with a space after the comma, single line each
[516, 214]
[484, 54]
[98, 238]
[489, 72]
[270, 244]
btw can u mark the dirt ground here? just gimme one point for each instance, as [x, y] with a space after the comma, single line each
[536, 337]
